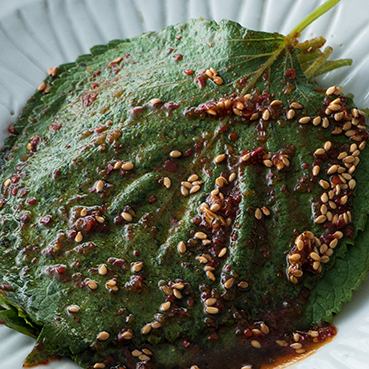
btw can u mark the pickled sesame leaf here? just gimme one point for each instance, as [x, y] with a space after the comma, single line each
[98, 112]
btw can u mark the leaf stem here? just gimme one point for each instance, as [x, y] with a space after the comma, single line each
[312, 16]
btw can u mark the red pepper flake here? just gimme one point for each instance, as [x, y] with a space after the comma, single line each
[119, 263]
[22, 192]
[170, 166]
[188, 72]
[115, 61]
[135, 283]
[86, 224]
[31, 201]
[56, 173]
[15, 179]
[242, 82]
[247, 333]
[56, 271]
[136, 253]
[89, 98]
[186, 344]
[178, 57]
[233, 136]
[100, 129]
[46, 220]
[170, 105]
[55, 127]
[33, 143]
[94, 85]
[224, 128]
[152, 199]
[290, 73]
[52, 71]
[12, 130]
[201, 80]
[25, 218]
[136, 111]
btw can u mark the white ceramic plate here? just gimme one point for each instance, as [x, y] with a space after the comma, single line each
[37, 34]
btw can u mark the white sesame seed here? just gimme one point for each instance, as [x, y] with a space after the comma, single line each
[127, 335]
[314, 256]
[316, 170]
[327, 145]
[338, 116]
[175, 154]
[290, 114]
[254, 116]
[126, 216]
[195, 189]
[136, 353]
[317, 120]
[265, 211]
[102, 269]
[333, 90]
[137, 266]
[99, 185]
[212, 310]
[215, 207]
[332, 169]
[319, 152]
[255, 344]
[320, 219]
[246, 157]
[167, 182]
[127, 166]
[219, 158]
[304, 120]
[210, 275]
[325, 122]
[103, 336]
[201, 235]
[264, 328]
[99, 366]
[165, 306]
[83, 212]
[338, 234]
[222, 252]
[91, 284]
[184, 191]
[79, 237]
[276, 103]
[73, 309]
[221, 181]
[296, 105]
[229, 283]
[181, 247]
[144, 357]
[324, 197]
[266, 114]
[232, 177]
[146, 329]
[296, 345]
[258, 214]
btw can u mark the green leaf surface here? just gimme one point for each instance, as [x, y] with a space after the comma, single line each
[68, 136]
